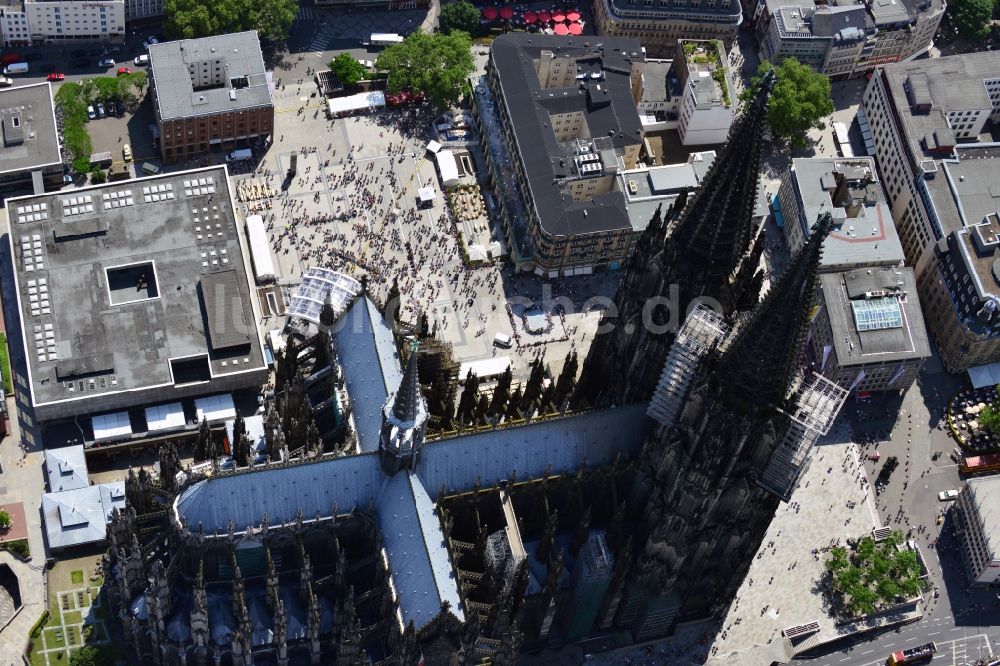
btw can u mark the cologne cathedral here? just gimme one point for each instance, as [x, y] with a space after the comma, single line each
[638, 508]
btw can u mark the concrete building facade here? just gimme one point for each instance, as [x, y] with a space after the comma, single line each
[14, 30]
[75, 20]
[708, 103]
[846, 39]
[926, 121]
[978, 523]
[210, 94]
[659, 24]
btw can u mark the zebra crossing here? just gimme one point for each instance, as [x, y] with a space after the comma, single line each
[320, 42]
[305, 14]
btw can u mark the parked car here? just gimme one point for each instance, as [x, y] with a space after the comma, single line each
[5, 82]
[55, 77]
[100, 110]
[948, 495]
[124, 70]
[119, 108]
[141, 60]
[145, 44]
[127, 152]
[90, 112]
[152, 39]
[106, 62]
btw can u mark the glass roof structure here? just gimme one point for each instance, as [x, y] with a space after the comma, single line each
[318, 284]
[877, 314]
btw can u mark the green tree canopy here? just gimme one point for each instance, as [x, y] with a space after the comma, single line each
[437, 65]
[971, 17]
[347, 69]
[461, 15]
[799, 101]
[187, 19]
[93, 655]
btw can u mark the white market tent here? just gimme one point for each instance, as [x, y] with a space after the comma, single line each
[111, 426]
[484, 368]
[216, 408]
[354, 103]
[433, 147]
[165, 417]
[260, 250]
[426, 194]
[448, 168]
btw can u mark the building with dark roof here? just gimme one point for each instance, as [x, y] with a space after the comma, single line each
[928, 123]
[659, 25]
[210, 93]
[30, 156]
[133, 293]
[845, 39]
[560, 121]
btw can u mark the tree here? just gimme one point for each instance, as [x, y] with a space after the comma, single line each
[971, 17]
[437, 65]
[97, 177]
[799, 100]
[461, 15]
[347, 69]
[93, 655]
[4, 520]
[188, 19]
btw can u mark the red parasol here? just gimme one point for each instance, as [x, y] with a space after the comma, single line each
[544, 16]
[558, 17]
[575, 29]
[490, 13]
[573, 16]
[561, 29]
[506, 13]
[530, 17]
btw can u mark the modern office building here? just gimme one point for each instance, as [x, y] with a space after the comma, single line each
[926, 121]
[659, 24]
[132, 294]
[559, 122]
[31, 158]
[75, 20]
[977, 512]
[846, 39]
[869, 333]
[210, 94]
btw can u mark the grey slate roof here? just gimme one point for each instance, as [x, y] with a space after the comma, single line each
[371, 366]
[37, 121]
[80, 516]
[244, 498]
[418, 554]
[175, 93]
[609, 113]
[66, 468]
[557, 445]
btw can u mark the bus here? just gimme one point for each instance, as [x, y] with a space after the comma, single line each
[385, 39]
[989, 462]
[914, 655]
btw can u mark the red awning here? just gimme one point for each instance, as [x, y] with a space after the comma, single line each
[506, 12]
[544, 16]
[575, 29]
[490, 13]
[561, 29]
[573, 16]
[530, 17]
[558, 17]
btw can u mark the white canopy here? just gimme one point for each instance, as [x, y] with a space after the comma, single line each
[448, 168]
[984, 375]
[358, 102]
[111, 426]
[426, 194]
[477, 252]
[216, 408]
[260, 250]
[165, 417]
[433, 147]
[484, 368]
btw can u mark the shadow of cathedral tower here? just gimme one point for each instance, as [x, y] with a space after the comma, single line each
[701, 248]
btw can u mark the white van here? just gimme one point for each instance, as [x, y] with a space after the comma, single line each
[16, 68]
[150, 168]
[241, 154]
[141, 60]
[503, 340]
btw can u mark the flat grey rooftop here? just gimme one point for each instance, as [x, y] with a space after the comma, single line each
[878, 345]
[647, 189]
[114, 281]
[29, 128]
[242, 62]
[986, 497]
[953, 83]
[966, 189]
[869, 237]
